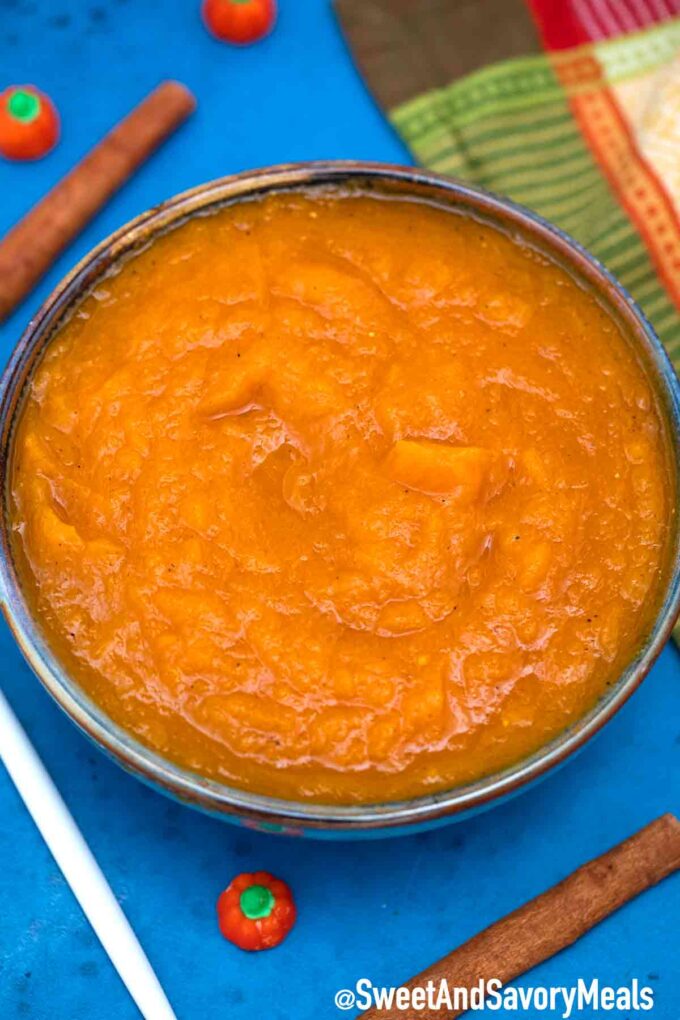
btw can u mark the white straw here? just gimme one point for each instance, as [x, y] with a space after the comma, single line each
[79, 867]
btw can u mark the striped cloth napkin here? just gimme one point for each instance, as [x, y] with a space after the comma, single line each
[571, 107]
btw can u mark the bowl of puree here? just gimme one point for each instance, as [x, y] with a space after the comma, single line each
[340, 498]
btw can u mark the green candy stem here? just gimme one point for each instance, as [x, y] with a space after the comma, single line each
[24, 106]
[257, 901]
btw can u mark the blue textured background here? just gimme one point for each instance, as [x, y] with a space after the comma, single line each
[384, 909]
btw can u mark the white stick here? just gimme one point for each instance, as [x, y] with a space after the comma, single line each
[79, 867]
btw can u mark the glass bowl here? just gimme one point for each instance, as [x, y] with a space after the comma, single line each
[302, 818]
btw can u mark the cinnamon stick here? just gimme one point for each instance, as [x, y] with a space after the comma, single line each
[30, 247]
[556, 918]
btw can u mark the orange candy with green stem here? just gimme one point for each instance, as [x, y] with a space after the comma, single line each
[239, 21]
[256, 911]
[29, 123]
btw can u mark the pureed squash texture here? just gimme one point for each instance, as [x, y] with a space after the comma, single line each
[341, 498]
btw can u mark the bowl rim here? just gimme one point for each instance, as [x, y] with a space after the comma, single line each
[217, 797]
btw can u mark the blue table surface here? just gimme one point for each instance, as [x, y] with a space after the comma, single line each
[381, 909]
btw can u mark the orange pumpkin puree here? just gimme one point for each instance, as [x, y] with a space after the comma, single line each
[341, 498]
